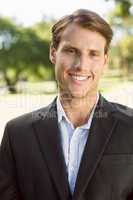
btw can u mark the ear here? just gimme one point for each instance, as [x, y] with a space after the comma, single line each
[106, 59]
[52, 55]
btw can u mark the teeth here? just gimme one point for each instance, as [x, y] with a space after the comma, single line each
[80, 78]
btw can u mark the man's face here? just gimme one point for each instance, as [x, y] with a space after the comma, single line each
[79, 61]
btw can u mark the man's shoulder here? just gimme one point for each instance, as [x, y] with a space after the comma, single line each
[28, 118]
[122, 112]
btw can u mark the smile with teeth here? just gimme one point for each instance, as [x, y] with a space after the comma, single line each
[79, 77]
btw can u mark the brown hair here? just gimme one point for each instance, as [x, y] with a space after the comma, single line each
[86, 19]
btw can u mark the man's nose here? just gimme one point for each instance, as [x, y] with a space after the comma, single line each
[81, 62]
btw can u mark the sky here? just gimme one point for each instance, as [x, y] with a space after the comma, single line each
[27, 12]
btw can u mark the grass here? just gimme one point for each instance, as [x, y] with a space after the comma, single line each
[108, 84]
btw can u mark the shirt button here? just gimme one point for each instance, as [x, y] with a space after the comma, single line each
[72, 168]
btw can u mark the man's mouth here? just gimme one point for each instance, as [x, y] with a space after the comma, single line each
[79, 77]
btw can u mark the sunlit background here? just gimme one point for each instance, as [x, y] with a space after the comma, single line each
[30, 12]
[27, 76]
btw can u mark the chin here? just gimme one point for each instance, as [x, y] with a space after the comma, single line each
[78, 95]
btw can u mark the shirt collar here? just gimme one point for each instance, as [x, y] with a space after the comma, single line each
[61, 113]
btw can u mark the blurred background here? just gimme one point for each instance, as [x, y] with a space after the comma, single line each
[26, 74]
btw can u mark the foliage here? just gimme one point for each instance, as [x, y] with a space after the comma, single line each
[121, 16]
[22, 53]
[121, 55]
[43, 29]
[121, 19]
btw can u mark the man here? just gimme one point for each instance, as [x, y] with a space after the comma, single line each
[81, 146]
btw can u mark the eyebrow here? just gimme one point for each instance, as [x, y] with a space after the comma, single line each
[71, 47]
[95, 51]
[67, 46]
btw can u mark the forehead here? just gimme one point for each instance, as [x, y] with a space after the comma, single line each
[76, 35]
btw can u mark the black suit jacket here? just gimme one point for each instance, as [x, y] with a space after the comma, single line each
[32, 165]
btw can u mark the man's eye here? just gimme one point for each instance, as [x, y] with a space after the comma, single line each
[93, 54]
[72, 51]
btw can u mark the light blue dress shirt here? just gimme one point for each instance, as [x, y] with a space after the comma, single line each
[73, 142]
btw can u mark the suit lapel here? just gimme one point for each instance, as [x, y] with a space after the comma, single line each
[49, 140]
[100, 132]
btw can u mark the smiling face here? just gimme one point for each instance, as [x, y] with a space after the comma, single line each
[79, 61]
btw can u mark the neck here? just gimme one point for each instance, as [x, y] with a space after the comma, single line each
[78, 109]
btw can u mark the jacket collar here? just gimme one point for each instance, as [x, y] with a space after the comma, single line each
[102, 128]
[45, 125]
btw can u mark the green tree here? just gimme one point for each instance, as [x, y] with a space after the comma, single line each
[121, 19]
[122, 55]
[22, 53]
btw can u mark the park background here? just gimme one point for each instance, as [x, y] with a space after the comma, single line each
[26, 74]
